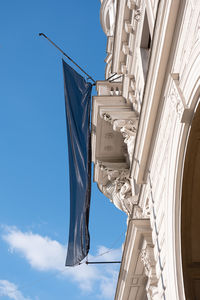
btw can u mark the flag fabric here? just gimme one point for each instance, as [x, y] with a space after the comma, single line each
[78, 103]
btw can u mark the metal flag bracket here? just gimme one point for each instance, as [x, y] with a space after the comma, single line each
[89, 77]
[102, 262]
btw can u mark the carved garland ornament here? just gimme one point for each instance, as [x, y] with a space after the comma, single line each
[147, 258]
[118, 189]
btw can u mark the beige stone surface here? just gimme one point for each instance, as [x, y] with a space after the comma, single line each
[145, 143]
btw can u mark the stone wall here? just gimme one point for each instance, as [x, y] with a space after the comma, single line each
[154, 60]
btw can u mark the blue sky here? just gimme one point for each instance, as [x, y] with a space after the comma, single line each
[34, 189]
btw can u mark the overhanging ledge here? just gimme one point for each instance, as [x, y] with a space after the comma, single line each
[132, 278]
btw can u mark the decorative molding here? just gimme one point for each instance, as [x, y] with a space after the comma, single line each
[197, 32]
[142, 213]
[107, 88]
[137, 15]
[131, 4]
[177, 102]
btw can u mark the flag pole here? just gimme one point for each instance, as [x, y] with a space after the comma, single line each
[44, 35]
[102, 262]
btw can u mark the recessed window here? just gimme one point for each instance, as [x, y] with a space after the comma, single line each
[145, 45]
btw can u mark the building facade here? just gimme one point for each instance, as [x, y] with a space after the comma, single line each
[146, 143]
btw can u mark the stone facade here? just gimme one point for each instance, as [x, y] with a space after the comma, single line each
[141, 120]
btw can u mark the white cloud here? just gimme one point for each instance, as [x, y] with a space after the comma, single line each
[10, 290]
[45, 254]
[42, 253]
[108, 284]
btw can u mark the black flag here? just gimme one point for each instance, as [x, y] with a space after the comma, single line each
[78, 102]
